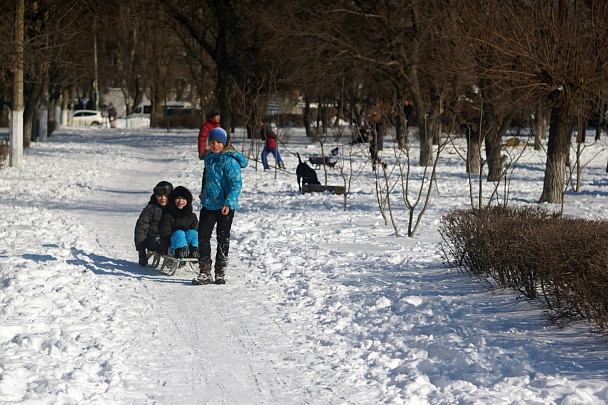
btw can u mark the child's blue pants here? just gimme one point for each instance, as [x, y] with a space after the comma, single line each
[277, 156]
[181, 239]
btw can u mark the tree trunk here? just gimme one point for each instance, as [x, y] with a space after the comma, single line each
[338, 114]
[223, 93]
[540, 125]
[307, 117]
[473, 163]
[560, 134]
[493, 156]
[43, 126]
[400, 124]
[425, 123]
[425, 133]
[430, 129]
[493, 143]
[17, 133]
[33, 99]
[426, 140]
[65, 108]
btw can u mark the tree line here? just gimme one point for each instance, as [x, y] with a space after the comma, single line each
[472, 66]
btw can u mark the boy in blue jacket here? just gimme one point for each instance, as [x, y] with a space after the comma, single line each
[219, 200]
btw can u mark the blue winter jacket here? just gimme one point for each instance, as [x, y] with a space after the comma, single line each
[222, 179]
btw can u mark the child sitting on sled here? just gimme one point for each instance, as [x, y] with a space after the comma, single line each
[147, 236]
[178, 226]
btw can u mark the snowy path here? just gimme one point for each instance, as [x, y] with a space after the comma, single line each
[199, 345]
[322, 306]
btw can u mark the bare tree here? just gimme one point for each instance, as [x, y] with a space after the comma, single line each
[228, 33]
[547, 49]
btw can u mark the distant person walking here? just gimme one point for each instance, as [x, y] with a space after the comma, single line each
[268, 135]
[375, 140]
[112, 116]
[408, 110]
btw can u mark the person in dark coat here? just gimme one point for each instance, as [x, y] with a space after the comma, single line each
[376, 141]
[408, 110]
[213, 121]
[112, 115]
[268, 134]
[147, 235]
[178, 226]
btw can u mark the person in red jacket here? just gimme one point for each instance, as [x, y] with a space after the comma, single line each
[213, 121]
[270, 137]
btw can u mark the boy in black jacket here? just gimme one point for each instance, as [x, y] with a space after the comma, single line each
[146, 228]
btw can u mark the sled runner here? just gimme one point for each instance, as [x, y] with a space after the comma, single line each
[156, 257]
[170, 262]
[173, 263]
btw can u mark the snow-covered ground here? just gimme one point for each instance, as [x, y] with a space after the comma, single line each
[322, 305]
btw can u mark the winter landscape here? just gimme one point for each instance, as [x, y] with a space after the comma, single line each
[321, 305]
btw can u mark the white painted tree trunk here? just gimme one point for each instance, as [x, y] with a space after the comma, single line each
[16, 126]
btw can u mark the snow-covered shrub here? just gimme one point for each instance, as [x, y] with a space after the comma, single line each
[561, 262]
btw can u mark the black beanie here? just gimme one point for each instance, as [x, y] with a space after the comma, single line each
[183, 192]
[163, 188]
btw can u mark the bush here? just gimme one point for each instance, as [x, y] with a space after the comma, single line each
[561, 262]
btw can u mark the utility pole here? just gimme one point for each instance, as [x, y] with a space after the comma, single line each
[16, 127]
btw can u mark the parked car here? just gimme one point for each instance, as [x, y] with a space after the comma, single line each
[88, 117]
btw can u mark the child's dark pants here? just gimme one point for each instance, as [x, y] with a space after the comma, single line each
[207, 221]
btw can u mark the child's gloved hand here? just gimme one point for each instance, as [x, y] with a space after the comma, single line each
[156, 243]
[201, 156]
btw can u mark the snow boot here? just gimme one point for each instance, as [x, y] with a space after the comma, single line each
[194, 252]
[204, 276]
[219, 278]
[181, 253]
[143, 258]
[220, 269]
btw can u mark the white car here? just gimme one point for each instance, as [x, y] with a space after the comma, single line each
[88, 117]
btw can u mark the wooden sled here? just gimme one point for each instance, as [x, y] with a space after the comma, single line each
[318, 188]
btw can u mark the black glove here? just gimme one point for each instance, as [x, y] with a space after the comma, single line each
[156, 244]
[201, 156]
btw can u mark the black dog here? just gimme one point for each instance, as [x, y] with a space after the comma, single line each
[305, 173]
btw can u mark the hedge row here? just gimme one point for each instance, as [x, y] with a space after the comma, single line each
[561, 262]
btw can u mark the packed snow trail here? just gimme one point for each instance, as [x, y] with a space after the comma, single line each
[199, 345]
[322, 306]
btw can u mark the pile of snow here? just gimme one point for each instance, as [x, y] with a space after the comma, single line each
[322, 305]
